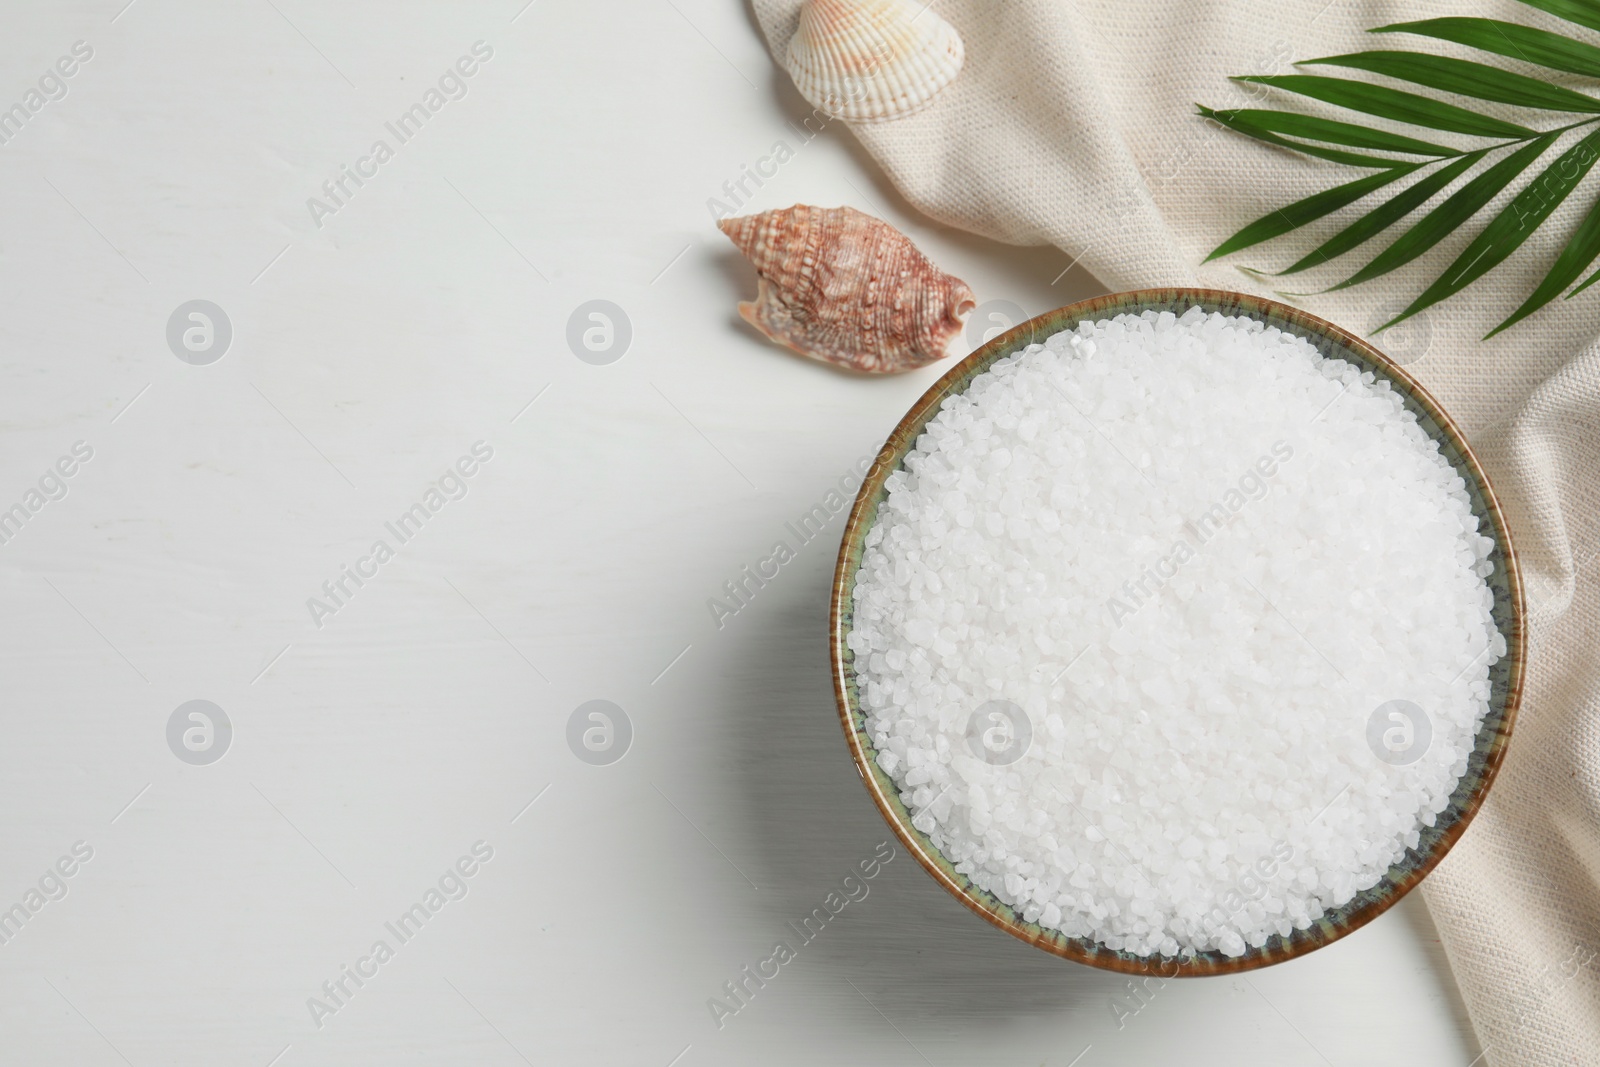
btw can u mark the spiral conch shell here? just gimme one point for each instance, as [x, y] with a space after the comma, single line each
[845, 288]
[869, 60]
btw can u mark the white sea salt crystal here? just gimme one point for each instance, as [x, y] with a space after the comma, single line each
[1198, 775]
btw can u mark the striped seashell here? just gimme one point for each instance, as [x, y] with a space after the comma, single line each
[870, 60]
[845, 288]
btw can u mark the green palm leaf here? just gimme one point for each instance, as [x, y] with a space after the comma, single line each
[1385, 214]
[1232, 121]
[1539, 47]
[1485, 170]
[1579, 253]
[1310, 209]
[1582, 12]
[1387, 103]
[1515, 223]
[1466, 78]
[1445, 219]
[1331, 132]
[1590, 280]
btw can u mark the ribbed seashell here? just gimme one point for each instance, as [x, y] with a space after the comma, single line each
[869, 60]
[843, 287]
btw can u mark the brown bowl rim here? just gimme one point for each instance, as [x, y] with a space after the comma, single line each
[1277, 949]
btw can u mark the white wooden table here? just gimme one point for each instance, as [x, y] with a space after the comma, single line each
[376, 339]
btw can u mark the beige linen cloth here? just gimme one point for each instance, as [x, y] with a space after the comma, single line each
[1073, 124]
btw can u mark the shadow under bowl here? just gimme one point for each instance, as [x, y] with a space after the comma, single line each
[1505, 677]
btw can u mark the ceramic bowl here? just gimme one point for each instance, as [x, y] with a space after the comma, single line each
[1505, 676]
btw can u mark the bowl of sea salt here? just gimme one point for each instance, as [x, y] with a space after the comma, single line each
[1177, 632]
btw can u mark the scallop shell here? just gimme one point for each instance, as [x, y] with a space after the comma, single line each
[869, 60]
[845, 288]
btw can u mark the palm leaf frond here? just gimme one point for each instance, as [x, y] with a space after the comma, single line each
[1312, 208]
[1515, 223]
[1445, 219]
[1387, 103]
[1585, 13]
[1508, 145]
[1328, 131]
[1579, 253]
[1235, 121]
[1466, 78]
[1384, 215]
[1539, 47]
